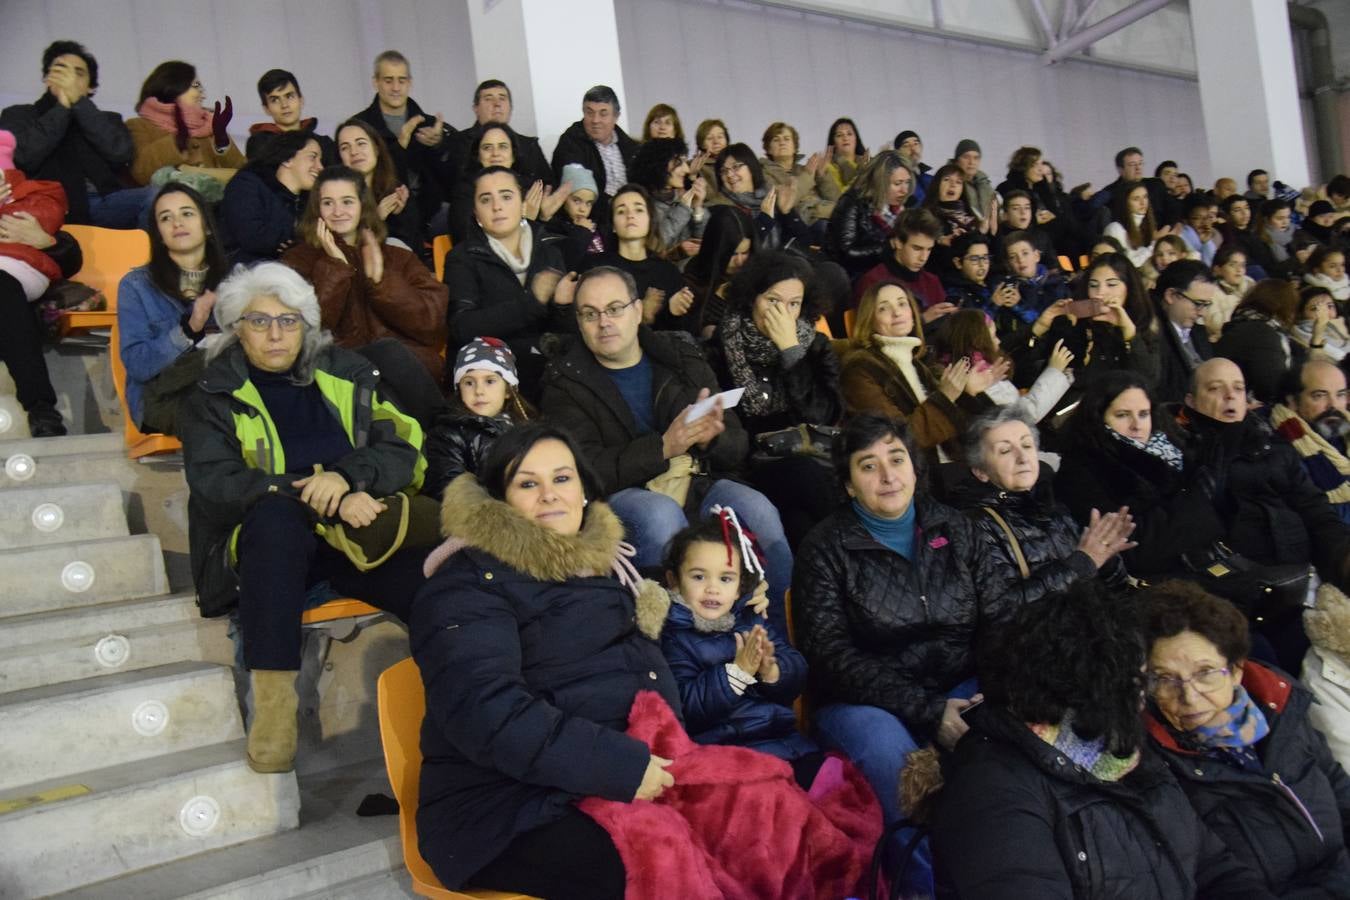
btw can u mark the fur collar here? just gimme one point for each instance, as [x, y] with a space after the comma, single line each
[471, 518]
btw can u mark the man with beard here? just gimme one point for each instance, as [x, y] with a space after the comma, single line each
[1313, 419]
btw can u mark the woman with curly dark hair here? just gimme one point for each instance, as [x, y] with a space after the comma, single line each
[767, 344]
[677, 194]
[1048, 794]
[1238, 738]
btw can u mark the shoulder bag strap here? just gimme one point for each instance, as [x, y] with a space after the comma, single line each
[1012, 539]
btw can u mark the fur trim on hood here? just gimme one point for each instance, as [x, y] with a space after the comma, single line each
[1328, 623]
[472, 518]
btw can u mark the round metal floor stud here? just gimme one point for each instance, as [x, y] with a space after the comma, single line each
[48, 517]
[6, 420]
[199, 816]
[150, 718]
[78, 576]
[112, 651]
[20, 467]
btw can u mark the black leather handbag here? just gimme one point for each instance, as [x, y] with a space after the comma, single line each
[1262, 592]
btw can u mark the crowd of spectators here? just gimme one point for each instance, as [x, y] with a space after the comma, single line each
[1025, 489]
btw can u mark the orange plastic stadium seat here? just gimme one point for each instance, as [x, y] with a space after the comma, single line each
[138, 444]
[440, 245]
[402, 705]
[824, 328]
[109, 254]
[850, 319]
[342, 608]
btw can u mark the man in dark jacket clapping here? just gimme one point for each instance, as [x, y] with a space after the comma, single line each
[625, 393]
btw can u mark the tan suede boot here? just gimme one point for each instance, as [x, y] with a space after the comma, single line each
[272, 734]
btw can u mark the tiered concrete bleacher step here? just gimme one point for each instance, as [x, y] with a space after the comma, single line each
[58, 514]
[66, 645]
[59, 730]
[102, 823]
[81, 573]
[334, 854]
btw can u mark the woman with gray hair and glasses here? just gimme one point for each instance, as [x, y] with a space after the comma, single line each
[287, 433]
[1029, 545]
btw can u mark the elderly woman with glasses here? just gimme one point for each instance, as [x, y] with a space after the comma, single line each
[1237, 736]
[286, 435]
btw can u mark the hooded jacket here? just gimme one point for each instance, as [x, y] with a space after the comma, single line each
[261, 134]
[233, 458]
[1288, 821]
[46, 202]
[531, 653]
[458, 442]
[713, 712]
[1017, 819]
[882, 630]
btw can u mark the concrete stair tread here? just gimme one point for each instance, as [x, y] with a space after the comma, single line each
[332, 849]
[127, 775]
[70, 445]
[71, 690]
[71, 659]
[137, 815]
[58, 730]
[120, 615]
[46, 514]
[394, 885]
[122, 568]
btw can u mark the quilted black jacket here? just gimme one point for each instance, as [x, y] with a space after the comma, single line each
[880, 630]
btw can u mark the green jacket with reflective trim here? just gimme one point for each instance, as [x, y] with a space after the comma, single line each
[234, 458]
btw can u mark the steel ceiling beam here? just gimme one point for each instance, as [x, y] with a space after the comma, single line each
[1098, 30]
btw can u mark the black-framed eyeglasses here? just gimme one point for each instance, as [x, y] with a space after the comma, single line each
[733, 167]
[590, 315]
[976, 258]
[1204, 681]
[260, 323]
[1199, 304]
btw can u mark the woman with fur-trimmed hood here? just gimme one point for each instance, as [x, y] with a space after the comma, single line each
[533, 635]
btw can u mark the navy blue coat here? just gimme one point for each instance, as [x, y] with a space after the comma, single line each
[529, 679]
[713, 713]
[258, 214]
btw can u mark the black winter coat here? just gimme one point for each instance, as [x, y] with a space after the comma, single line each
[78, 146]
[713, 713]
[811, 386]
[1016, 819]
[580, 397]
[854, 238]
[1272, 511]
[1299, 845]
[458, 442]
[487, 299]
[881, 630]
[1173, 513]
[532, 166]
[1047, 535]
[258, 214]
[530, 671]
